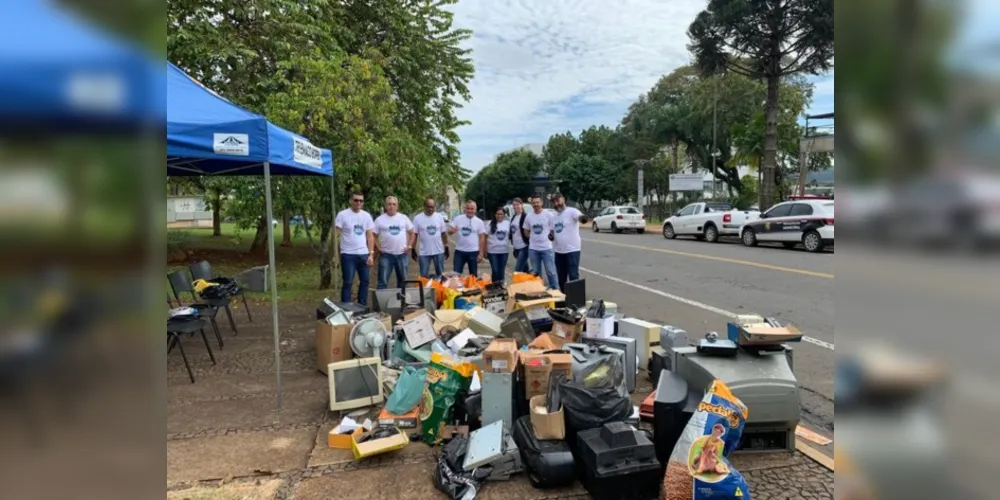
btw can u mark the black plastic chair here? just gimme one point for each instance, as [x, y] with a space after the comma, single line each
[203, 271]
[180, 283]
[178, 327]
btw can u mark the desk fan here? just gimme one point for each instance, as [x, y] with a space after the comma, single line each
[367, 337]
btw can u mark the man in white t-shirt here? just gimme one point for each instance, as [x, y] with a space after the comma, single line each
[470, 239]
[432, 239]
[566, 242]
[394, 240]
[538, 229]
[354, 228]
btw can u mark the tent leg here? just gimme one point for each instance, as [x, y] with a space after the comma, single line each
[333, 238]
[274, 280]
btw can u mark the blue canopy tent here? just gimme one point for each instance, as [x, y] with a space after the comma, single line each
[208, 135]
[58, 71]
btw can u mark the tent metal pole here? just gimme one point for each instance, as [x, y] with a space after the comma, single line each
[273, 277]
[333, 236]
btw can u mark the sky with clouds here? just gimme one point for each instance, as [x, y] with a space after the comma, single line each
[547, 66]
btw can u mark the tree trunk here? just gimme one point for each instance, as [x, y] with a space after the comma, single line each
[259, 243]
[286, 228]
[217, 214]
[325, 263]
[768, 164]
[676, 152]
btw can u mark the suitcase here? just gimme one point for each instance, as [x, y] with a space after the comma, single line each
[549, 464]
[673, 405]
[618, 462]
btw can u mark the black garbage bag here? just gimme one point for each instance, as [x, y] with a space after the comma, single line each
[224, 288]
[449, 476]
[596, 309]
[549, 463]
[589, 405]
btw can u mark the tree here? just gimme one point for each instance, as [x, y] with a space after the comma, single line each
[764, 40]
[558, 149]
[390, 118]
[508, 177]
[588, 179]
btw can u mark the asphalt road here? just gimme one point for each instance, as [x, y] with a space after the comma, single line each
[697, 286]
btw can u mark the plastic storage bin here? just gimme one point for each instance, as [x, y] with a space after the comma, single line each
[617, 462]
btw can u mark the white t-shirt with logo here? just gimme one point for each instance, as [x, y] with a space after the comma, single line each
[497, 242]
[353, 226]
[429, 230]
[392, 232]
[567, 228]
[538, 225]
[467, 233]
[519, 242]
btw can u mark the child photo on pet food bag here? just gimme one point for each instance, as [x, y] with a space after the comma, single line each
[699, 467]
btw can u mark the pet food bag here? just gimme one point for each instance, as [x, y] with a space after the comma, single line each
[699, 467]
[445, 379]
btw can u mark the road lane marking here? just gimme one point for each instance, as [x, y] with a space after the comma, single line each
[719, 259]
[694, 303]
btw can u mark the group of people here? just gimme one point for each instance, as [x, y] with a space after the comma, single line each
[544, 243]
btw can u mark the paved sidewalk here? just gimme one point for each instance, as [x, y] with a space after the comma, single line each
[225, 441]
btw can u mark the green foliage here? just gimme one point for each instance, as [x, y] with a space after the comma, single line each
[503, 180]
[587, 179]
[558, 149]
[379, 83]
[764, 41]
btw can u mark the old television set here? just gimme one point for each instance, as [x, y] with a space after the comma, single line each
[355, 383]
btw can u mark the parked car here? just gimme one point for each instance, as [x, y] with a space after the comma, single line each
[618, 219]
[809, 222]
[706, 221]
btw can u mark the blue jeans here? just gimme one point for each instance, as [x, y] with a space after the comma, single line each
[498, 264]
[425, 264]
[351, 264]
[521, 264]
[461, 258]
[567, 265]
[546, 259]
[389, 263]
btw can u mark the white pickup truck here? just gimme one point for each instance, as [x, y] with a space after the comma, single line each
[706, 221]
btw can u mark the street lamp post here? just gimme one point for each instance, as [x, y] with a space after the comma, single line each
[715, 153]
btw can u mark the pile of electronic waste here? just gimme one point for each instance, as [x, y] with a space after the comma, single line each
[539, 382]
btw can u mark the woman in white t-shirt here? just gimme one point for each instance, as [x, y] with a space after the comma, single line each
[517, 238]
[496, 245]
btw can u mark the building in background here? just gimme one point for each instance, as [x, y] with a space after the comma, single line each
[188, 212]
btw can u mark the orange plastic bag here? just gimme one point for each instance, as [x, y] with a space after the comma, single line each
[471, 281]
[439, 289]
[525, 278]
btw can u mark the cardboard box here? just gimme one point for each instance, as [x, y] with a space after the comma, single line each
[331, 344]
[341, 441]
[374, 447]
[600, 328]
[536, 381]
[762, 334]
[536, 375]
[410, 420]
[546, 425]
[501, 356]
[563, 333]
[531, 287]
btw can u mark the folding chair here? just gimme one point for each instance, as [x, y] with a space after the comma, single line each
[180, 283]
[177, 327]
[203, 271]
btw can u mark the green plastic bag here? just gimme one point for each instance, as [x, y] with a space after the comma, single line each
[445, 378]
[409, 389]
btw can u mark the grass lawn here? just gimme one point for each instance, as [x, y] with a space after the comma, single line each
[297, 266]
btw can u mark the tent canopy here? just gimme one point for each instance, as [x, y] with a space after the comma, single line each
[208, 135]
[57, 69]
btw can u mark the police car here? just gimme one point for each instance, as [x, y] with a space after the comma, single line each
[809, 222]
